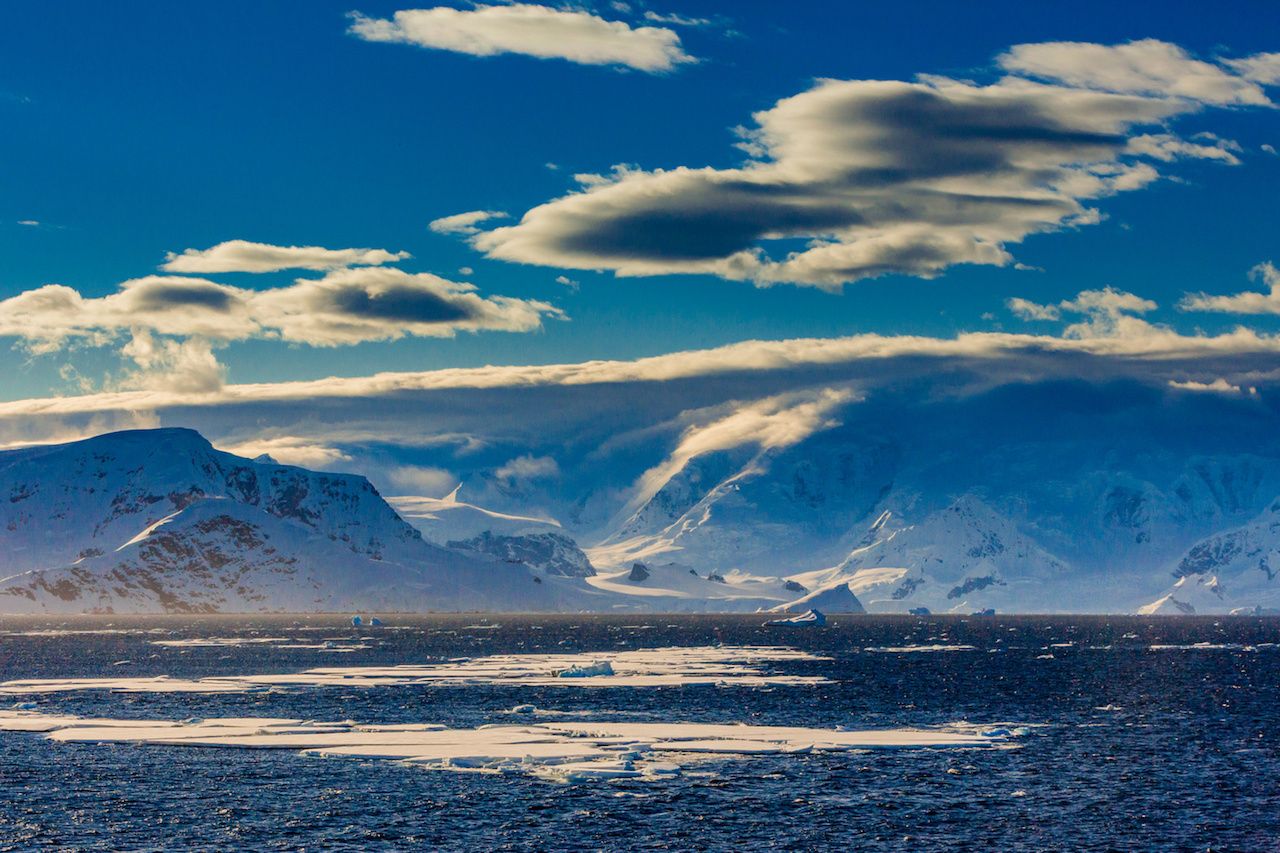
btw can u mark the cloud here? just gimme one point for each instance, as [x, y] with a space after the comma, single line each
[290, 450]
[1261, 68]
[419, 480]
[244, 256]
[530, 30]
[47, 318]
[372, 304]
[346, 306]
[30, 223]
[1168, 147]
[393, 405]
[1145, 67]
[1217, 386]
[862, 178]
[1028, 310]
[183, 366]
[1248, 302]
[676, 19]
[1108, 313]
[768, 424]
[464, 223]
[528, 467]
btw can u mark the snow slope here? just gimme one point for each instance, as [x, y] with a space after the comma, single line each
[159, 520]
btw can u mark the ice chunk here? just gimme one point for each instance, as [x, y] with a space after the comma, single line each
[808, 619]
[901, 650]
[592, 669]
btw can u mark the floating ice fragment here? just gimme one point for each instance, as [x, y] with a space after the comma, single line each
[590, 670]
[808, 619]
[898, 650]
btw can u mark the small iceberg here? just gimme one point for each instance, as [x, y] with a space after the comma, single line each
[810, 618]
[601, 667]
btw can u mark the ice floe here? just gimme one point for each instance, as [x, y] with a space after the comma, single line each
[728, 666]
[902, 650]
[562, 750]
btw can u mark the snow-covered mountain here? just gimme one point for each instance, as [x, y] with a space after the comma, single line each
[1076, 498]
[158, 520]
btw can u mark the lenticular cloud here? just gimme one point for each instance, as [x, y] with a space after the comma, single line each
[860, 178]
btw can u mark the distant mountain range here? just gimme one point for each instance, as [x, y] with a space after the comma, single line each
[850, 515]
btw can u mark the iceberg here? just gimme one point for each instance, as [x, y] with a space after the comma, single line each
[587, 670]
[808, 619]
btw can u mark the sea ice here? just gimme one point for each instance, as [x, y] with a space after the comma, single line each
[918, 649]
[562, 750]
[729, 666]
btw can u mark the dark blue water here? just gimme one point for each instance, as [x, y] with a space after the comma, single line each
[1189, 761]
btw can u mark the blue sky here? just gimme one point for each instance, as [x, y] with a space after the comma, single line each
[131, 133]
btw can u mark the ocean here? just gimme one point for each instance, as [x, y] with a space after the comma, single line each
[1108, 733]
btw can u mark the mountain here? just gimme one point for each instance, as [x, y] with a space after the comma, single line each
[158, 520]
[1066, 497]
[553, 553]
[955, 496]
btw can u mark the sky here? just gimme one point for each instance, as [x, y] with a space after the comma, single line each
[211, 201]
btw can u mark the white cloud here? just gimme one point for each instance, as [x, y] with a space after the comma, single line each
[1108, 313]
[1261, 68]
[1248, 302]
[1146, 67]
[1028, 310]
[47, 318]
[676, 19]
[30, 223]
[290, 450]
[858, 356]
[1167, 147]
[346, 306]
[420, 480]
[356, 305]
[464, 223]
[530, 30]
[1217, 386]
[770, 423]
[528, 467]
[244, 256]
[868, 178]
[183, 366]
